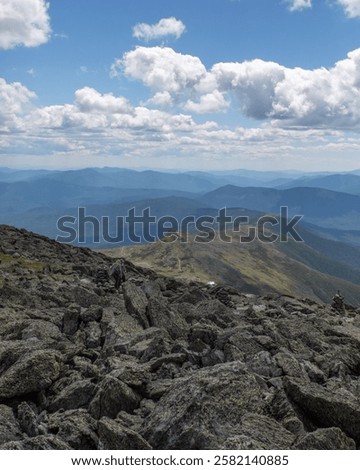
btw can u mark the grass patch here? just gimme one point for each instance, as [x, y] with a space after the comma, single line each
[6, 258]
[9, 262]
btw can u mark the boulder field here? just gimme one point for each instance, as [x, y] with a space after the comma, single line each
[164, 364]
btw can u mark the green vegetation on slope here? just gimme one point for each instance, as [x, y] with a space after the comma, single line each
[258, 268]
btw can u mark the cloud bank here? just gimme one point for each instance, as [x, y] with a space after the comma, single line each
[105, 127]
[182, 87]
[23, 23]
[299, 111]
[263, 90]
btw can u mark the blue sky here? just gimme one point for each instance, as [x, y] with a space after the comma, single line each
[205, 84]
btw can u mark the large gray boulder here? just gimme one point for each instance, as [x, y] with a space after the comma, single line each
[259, 432]
[115, 436]
[32, 373]
[75, 427]
[325, 439]
[9, 426]
[37, 443]
[326, 408]
[136, 303]
[28, 419]
[202, 410]
[77, 394]
[112, 397]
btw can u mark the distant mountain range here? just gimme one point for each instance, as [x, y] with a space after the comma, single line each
[196, 181]
[347, 183]
[327, 208]
[330, 228]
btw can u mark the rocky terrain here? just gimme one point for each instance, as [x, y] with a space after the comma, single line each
[165, 364]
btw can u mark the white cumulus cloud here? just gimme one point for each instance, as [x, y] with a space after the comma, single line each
[264, 90]
[108, 126]
[297, 5]
[14, 100]
[351, 7]
[92, 110]
[161, 99]
[208, 103]
[23, 22]
[165, 27]
[326, 98]
[297, 108]
[252, 82]
[175, 78]
[90, 100]
[162, 69]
